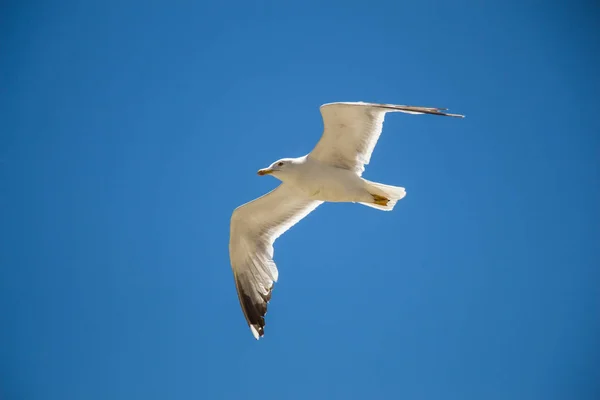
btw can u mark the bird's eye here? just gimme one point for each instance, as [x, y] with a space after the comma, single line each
[279, 164]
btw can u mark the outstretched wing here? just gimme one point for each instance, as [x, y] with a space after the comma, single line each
[351, 131]
[254, 228]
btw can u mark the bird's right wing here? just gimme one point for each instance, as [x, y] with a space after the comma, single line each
[351, 131]
[254, 228]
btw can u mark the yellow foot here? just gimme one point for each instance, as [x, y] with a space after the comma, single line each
[380, 200]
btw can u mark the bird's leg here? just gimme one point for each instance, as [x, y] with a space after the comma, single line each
[380, 200]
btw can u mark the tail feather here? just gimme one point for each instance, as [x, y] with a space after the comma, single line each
[385, 197]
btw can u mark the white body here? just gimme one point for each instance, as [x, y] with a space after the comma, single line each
[323, 182]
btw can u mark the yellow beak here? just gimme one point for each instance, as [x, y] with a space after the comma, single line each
[265, 171]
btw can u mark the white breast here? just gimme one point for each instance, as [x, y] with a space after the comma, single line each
[326, 183]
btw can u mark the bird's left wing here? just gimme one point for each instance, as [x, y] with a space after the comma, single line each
[351, 131]
[254, 228]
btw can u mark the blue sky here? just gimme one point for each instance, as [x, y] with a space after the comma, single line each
[129, 131]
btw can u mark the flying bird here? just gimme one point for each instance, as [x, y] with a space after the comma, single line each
[331, 172]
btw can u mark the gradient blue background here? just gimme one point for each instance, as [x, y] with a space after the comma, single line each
[131, 130]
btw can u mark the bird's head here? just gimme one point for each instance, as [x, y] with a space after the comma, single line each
[279, 168]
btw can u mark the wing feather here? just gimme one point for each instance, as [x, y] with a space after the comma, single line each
[351, 131]
[254, 228]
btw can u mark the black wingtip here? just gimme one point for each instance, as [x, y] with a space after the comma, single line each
[254, 306]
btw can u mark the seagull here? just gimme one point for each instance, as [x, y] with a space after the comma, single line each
[331, 172]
